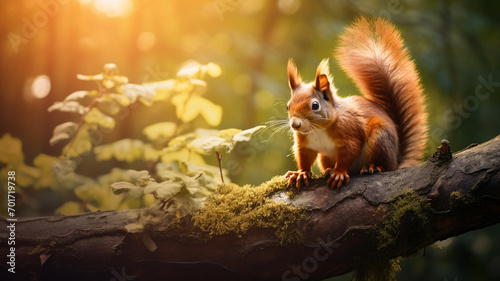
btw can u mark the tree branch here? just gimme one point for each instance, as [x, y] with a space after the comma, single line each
[390, 214]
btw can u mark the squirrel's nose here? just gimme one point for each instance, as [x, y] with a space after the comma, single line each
[295, 123]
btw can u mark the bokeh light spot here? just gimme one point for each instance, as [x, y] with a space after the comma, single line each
[40, 87]
[114, 8]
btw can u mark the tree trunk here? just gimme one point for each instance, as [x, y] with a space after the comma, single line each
[378, 216]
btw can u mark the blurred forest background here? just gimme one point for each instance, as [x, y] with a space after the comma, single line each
[46, 43]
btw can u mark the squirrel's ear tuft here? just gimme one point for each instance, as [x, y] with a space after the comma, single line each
[322, 84]
[293, 75]
[322, 80]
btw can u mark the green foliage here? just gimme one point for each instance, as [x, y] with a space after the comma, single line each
[178, 193]
[177, 179]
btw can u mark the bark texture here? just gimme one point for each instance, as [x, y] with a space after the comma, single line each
[375, 217]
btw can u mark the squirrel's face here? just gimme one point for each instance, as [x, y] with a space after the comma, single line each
[309, 110]
[311, 106]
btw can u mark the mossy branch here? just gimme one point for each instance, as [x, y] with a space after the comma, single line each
[379, 217]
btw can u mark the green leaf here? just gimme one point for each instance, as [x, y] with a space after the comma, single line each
[122, 100]
[145, 93]
[115, 175]
[122, 187]
[26, 175]
[63, 169]
[246, 134]
[210, 144]
[112, 103]
[187, 204]
[188, 107]
[160, 131]
[151, 188]
[110, 81]
[228, 134]
[104, 152]
[68, 106]
[97, 77]
[95, 116]
[180, 142]
[127, 150]
[208, 183]
[63, 132]
[207, 175]
[210, 141]
[11, 150]
[163, 89]
[47, 178]
[189, 69]
[172, 175]
[191, 169]
[165, 190]
[150, 154]
[77, 95]
[193, 186]
[141, 176]
[81, 144]
[109, 107]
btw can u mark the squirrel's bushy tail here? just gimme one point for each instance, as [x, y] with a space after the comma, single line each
[372, 53]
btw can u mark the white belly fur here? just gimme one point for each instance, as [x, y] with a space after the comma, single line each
[319, 141]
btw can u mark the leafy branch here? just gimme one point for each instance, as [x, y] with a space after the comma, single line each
[177, 178]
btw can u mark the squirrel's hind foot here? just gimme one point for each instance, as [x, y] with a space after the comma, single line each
[371, 169]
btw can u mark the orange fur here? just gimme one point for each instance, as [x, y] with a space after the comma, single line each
[385, 129]
[372, 53]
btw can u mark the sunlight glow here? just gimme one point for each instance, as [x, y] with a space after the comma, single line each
[146, 41]
[114, 8]
[40, 87]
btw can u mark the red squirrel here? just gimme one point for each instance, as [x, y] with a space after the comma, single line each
[383, 130]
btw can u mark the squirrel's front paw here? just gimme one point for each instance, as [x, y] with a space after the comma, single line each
[336, 178]
[298, 176]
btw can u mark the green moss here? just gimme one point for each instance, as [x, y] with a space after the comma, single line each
[457, 200]
[406, 220]
[235, 209]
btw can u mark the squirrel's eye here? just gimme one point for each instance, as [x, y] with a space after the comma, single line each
[315, 105]
[287, 107]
